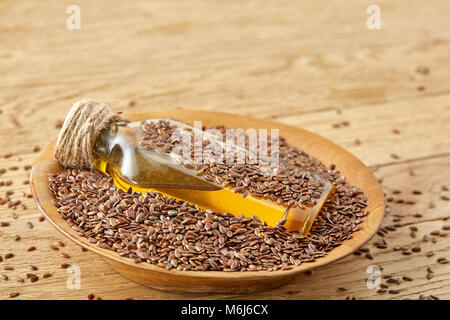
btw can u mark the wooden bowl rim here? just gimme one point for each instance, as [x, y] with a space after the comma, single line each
[376, 213]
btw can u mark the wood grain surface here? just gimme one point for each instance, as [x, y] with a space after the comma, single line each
[314, 65]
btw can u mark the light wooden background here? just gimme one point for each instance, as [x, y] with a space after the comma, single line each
[310, 64]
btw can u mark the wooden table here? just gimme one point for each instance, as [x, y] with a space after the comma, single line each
[310, 64]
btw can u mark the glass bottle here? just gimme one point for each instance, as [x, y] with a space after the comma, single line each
[129, 154]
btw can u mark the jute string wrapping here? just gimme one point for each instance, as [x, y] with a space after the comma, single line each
[81, 127]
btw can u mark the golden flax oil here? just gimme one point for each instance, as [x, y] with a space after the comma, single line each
[139, 159]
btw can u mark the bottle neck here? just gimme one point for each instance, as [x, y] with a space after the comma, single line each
[102, 143]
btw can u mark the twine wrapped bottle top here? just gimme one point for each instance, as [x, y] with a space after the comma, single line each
[85, 120]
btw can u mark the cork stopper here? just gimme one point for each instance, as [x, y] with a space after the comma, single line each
[84, 122]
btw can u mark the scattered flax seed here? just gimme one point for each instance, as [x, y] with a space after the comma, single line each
[4, 276]
[46, 275]
[393, 280]
[430, 253]
[442, 260]
[65, 265]
[413, 228]
[59, 123]
[32, 248]
[14, 294]
[17, 237]
[32, 268]
[19, 279]
[369, 256]
[422, 70]
[29, 225]
[4, 224]
[8, 268]
[9, 255]
[431, 205]
[382, 290]
[60, 243]
[357, 142]
[445, 198]
[16, 122]
[446, 227]
[435, 233]
[36, 148]
[426, 238]
[41, 218]
[53, 247]
[390, 228]
[394, 156]
[65, 255]
[393, 291]
[395, 131]
[416, 249]
[34, 278]
[91, 296]
[381, 246]
[342, 289]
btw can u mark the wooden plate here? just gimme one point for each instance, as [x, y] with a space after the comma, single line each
[219, 281]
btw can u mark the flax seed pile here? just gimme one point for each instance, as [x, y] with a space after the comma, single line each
[170, 233]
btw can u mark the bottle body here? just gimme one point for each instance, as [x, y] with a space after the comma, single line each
[137, 155]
